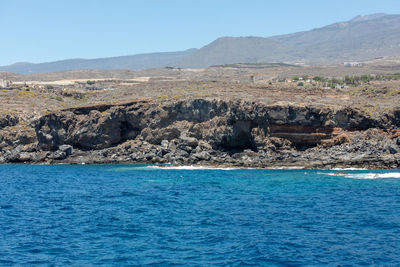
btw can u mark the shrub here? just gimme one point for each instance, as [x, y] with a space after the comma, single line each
[26, 94]
[319, 79]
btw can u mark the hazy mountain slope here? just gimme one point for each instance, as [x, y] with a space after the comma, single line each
[362, 38]
[227, 50]
[135, 62]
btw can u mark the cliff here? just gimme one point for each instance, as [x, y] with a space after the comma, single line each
[208, 132]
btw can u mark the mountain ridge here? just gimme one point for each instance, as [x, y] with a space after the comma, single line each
[364, 38]
[360, 39]
[135, 62]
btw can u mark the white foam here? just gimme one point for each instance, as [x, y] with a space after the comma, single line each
[369, 176]
[135, 168]
[348, 169]
[155, 167]
[285, 168]
[191, 167]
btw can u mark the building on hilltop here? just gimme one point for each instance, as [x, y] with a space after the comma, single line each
[352, 64]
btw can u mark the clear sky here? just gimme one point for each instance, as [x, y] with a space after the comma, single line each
[47, 30]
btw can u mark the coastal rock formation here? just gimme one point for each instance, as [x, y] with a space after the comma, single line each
[214, 132]
[219, 132]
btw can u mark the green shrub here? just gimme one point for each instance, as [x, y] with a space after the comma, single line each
[319, 79]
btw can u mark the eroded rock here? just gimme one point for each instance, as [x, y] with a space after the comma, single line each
[203, 131]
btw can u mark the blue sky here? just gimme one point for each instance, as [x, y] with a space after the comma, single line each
[47, 30]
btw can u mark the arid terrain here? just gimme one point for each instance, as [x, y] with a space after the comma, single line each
[268, 83]
[271, 114]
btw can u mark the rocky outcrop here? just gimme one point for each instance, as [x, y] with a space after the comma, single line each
[8, 120]
[217, 132]
[200, 131]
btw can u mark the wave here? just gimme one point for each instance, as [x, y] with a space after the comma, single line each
[369, 176]
[348, 169]
[285, 168]
[190, 167]
[157, 167]
[135, 168]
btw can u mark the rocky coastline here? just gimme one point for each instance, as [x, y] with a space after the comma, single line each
[207, 132]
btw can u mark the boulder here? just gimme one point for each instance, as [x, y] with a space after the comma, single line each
[67, 149]
[188, 141]
[8, 120]
[164, 144]
[155, 136]
[203, 155]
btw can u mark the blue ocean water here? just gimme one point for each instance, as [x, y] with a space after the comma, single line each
[118, 215]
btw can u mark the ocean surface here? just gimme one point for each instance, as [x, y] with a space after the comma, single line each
[117, 215]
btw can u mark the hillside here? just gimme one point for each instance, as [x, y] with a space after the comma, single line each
[134, 62]
[227, 50]
[360, 39]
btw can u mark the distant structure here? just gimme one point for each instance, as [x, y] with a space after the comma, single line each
[341, 86]
[352, 64]
[5, 83]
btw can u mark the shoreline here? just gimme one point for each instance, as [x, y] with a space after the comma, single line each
[198, 166]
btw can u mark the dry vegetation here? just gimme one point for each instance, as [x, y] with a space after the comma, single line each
[35, 95]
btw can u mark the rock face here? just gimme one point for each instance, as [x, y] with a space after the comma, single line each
[218, 132]
[8, 120]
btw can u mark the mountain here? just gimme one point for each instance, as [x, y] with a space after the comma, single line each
[228, 50]
[134, 62]
[361, 38]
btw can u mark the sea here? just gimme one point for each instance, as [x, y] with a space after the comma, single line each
[135, 215]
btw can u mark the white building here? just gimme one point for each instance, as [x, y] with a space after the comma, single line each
[352, 64]
[5, 83]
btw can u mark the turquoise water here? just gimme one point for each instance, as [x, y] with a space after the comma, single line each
[125, 215]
